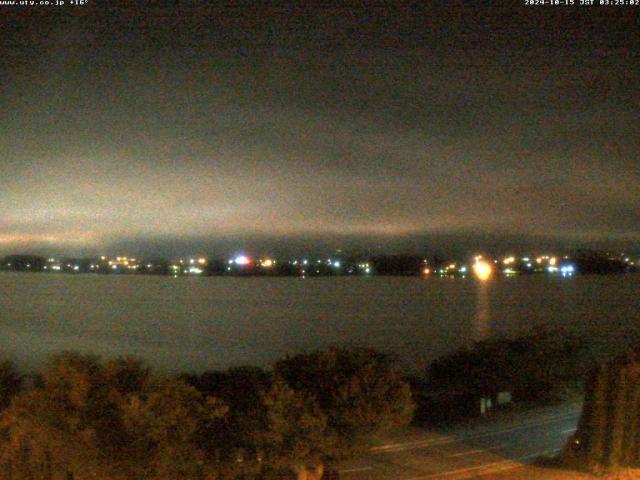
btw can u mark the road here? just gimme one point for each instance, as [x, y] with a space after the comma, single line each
[494, 444]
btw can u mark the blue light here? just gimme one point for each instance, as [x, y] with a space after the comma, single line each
[242, 260]
[567, 270]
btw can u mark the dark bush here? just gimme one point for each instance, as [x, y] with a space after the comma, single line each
[536, 367]
[10, 383]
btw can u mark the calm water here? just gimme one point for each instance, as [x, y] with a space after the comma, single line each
[203, 323]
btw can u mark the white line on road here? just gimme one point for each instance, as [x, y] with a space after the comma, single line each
[352, 470]
[569, 430]
[469, 452]
[491, 467]
[477, 451]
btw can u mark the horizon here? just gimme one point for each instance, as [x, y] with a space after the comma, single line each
[449, 246]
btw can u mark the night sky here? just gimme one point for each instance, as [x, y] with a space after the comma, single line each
[172, 128]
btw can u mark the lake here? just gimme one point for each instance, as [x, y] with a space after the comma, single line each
[195, 324]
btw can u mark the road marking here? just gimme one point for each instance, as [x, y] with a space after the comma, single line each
[570, 430]
[491, 467]
[470, 452]
[396, 447]
[357, 469]
[476, 451]
[517, 463]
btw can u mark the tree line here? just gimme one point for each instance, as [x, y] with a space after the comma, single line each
[84, 417]
[88, 418]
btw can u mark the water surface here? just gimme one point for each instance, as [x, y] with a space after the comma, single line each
[196, 324]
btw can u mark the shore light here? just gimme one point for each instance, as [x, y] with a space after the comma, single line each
[242, 260]
[482, 270]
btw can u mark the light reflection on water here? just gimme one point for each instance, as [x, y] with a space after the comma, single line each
[482, 326]
[204, 323]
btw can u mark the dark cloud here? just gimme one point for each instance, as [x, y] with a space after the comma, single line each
[378, 123]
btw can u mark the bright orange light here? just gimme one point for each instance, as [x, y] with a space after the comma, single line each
[267, 263]
[202, 261]
[483, 270]
[553, 261]
[427, 271]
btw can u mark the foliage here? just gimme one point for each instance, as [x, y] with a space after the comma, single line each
[118, 420]
[270, 430]
[104, 421]
[54, 431]
[10, 383]
[532, 367]
[356, 388]
[594, 262]
[295, 436]
[165, 421]
[237, 436]
[608, 434]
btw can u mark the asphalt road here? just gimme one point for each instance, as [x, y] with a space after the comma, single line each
[494, 444]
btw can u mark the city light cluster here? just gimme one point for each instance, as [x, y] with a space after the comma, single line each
[481, 267]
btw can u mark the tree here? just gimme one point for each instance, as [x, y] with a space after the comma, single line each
[532, 367]
[10, 383]
[356, 388]
[608, 434]
[236, 438]
[54, 431]
[127, 375]
[598, 262]
[109, 421]
[295, 437]
[165, 421]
